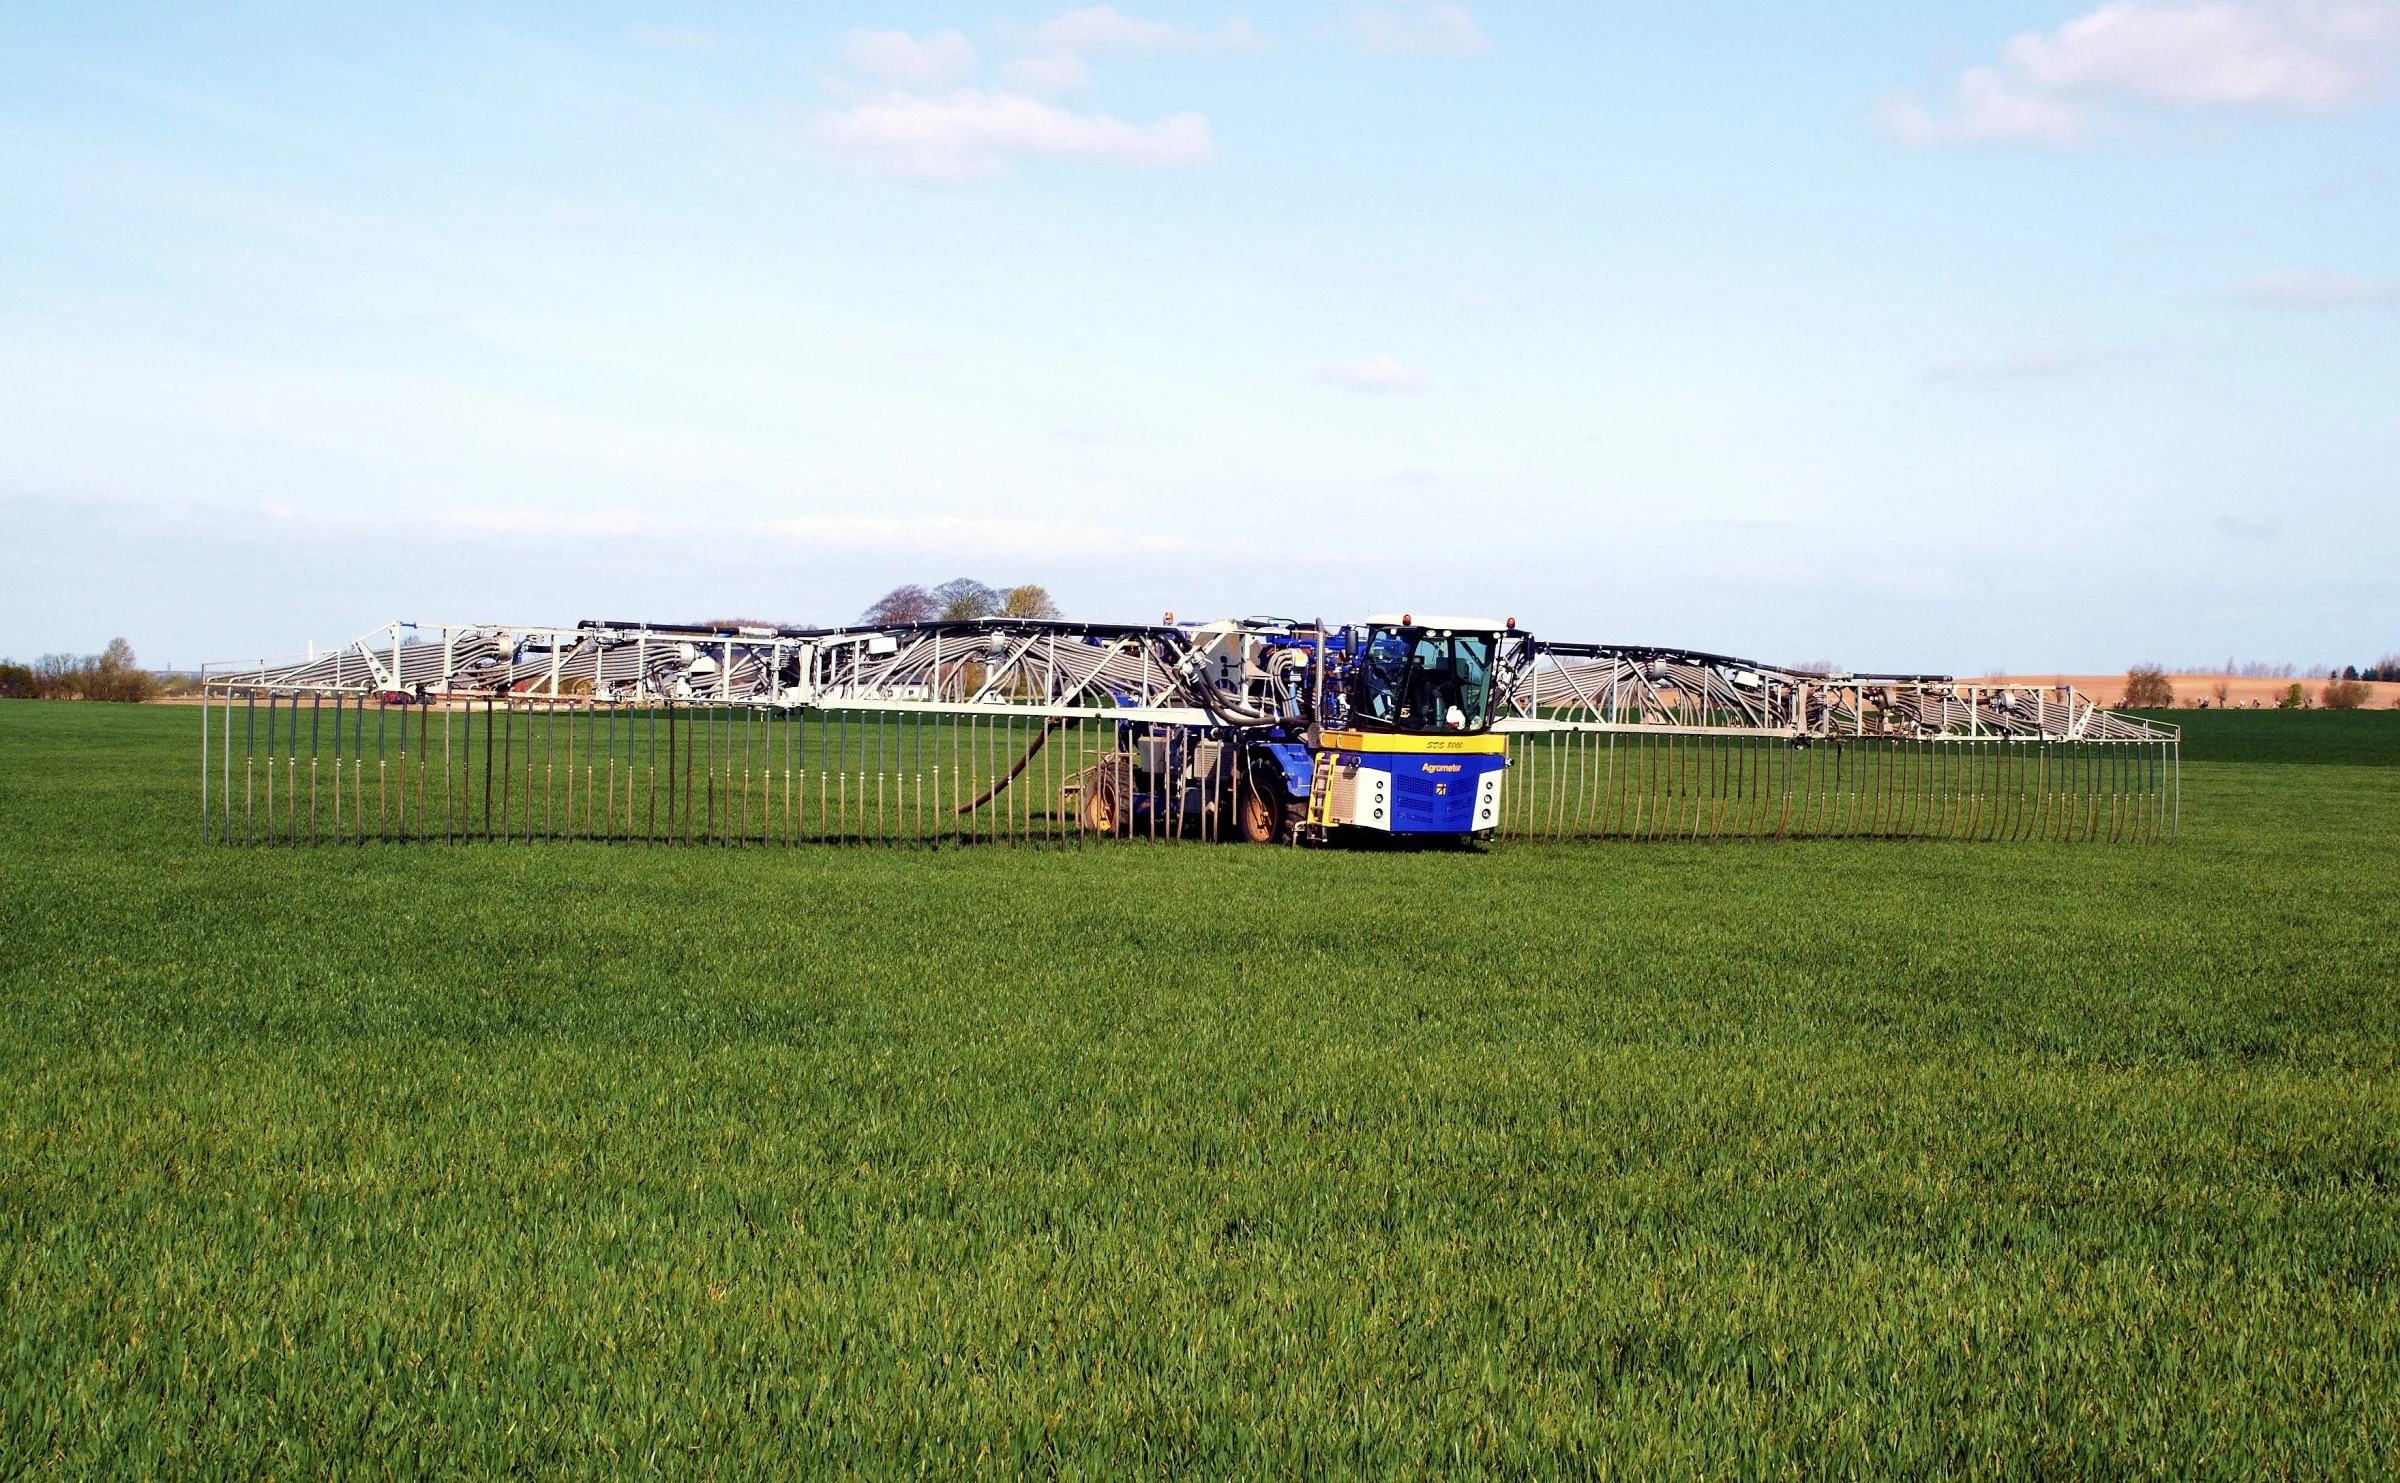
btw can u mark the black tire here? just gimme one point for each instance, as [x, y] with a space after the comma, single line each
[1098, 809]
[1266, 816]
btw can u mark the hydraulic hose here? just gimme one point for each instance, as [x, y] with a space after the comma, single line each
[1040, 740]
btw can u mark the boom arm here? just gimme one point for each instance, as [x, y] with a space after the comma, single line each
[1252, 673]
[1616, 687]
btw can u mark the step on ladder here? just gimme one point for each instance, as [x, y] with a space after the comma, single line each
[1320, 791]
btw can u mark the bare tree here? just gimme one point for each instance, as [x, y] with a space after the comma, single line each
[112, 674]
[2147, 688]
[57, 677]
[909, 604]
[963, 598]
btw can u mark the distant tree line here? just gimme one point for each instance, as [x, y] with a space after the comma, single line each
[108, 675]
[2348, 690]
[2386, 669]
[2148, 687]
[959, 599]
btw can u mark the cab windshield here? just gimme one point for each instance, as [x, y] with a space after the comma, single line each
[1415, 679]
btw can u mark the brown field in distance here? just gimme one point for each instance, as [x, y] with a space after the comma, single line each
[2194, 690]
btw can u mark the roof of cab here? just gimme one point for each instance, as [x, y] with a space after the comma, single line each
[1440, 620]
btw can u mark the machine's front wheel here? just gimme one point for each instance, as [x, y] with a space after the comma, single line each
[1099, 806]
[1265, 817]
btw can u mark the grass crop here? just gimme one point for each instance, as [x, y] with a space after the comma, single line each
[1193, 1161]
[2345, 738]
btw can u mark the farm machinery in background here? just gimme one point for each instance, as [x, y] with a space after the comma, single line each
[1409, 726]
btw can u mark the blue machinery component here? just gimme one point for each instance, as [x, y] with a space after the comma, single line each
[1407, 726]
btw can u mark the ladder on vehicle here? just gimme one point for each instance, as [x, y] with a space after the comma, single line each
[1320, 791]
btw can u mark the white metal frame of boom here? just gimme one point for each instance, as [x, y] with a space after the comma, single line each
[1146, 674]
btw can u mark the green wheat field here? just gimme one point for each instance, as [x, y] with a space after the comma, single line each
[1199, 1161]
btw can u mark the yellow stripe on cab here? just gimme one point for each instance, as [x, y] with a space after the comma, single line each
[1381, 741]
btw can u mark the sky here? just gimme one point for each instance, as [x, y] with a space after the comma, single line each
[1942, 337]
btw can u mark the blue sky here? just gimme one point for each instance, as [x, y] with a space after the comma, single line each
[1926, 336]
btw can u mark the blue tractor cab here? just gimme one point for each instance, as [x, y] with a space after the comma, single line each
[1410, 751]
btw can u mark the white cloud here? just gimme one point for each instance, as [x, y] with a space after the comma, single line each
[1050, 72]
[953, 533]
[941, 60]
[1435, 28]
[964, 534]
[927, 125]
[2308, 56]
[1055, 59]
[487, 521]
[972, 135]
[2295, 54]
[2313, 291]
[1376, 375]
[1102, 28]
[1988, 110]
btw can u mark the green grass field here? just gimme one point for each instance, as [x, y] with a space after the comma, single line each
[2351, 738]
[1194, 1161]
